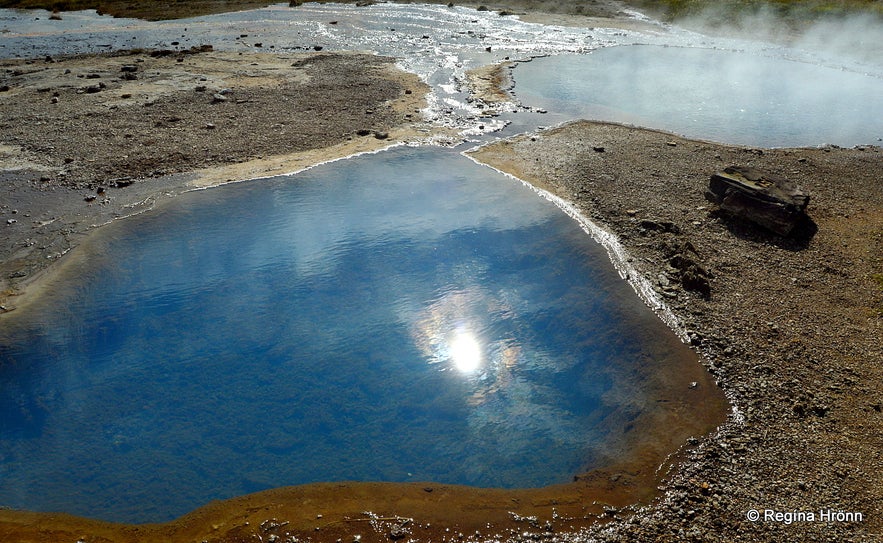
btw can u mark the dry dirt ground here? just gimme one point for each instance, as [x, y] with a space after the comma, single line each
[85, 140]
[792, 328]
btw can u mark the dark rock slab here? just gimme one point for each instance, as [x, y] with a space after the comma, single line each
[692, 274]
[768, 200]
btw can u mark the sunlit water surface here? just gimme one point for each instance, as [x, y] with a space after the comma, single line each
[724, 96]
[407, 316]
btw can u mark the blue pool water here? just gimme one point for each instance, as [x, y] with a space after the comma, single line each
[406, 316]
[740, 98]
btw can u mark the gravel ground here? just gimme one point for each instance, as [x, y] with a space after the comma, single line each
[792, 328]
[85, 140]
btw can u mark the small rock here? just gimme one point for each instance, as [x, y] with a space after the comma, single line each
[129, 68]
[218, 97]
[397, 532]
[660, 226]
[693, 275]
[381, 135]
[11, 221]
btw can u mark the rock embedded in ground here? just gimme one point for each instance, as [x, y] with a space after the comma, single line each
[766, 199]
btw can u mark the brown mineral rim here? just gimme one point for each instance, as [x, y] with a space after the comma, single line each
[380, 512]
[792, 330]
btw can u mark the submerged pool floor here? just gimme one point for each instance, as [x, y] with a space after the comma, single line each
[404, 316]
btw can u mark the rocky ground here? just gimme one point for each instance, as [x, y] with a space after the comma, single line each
[84, 140]
[792, 328]
[154, 11]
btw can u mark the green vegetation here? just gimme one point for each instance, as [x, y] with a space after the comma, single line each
[794, 11]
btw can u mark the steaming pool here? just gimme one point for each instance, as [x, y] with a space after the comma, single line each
[731, 97]
[406, 316]
[403, 316]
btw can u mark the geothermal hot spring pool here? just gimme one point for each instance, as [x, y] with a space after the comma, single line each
[403, 316]
[740, 98]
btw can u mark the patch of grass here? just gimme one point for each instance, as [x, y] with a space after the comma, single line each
[795, 11]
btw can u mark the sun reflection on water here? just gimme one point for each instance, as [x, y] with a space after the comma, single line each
[450, 333]
[462, 331]
[465, 352]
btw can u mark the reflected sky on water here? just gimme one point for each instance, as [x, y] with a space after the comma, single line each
[404, 316]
